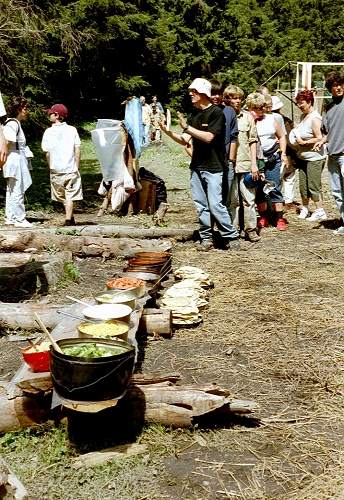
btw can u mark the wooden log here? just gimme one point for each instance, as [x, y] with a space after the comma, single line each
[81, 246]
[21, 315]
[21, 412]
[37, 383]
[11, 488]
[198, 402]
[156, 322]
[167, 414]
[24, 272]
[172, 406]
[106, 230]
[150, 398]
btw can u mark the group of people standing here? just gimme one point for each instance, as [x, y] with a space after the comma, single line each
[244, 159]
[152, 116]
[60, 143]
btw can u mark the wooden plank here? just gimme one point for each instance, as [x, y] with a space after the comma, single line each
[101, 457]
[147, 196]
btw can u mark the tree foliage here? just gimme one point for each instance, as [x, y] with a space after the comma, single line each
[91, 54]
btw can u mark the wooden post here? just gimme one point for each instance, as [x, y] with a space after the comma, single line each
[156, 322]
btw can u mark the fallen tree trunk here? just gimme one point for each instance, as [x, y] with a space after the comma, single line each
[111, 231]
[21, 411]
[152, 401]
[21, 315]
[82, 246]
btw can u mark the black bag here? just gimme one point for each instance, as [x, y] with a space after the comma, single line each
[269, 153]
[17, 133]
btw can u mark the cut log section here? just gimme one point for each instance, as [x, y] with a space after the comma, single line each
[156, 322]
[23, 272]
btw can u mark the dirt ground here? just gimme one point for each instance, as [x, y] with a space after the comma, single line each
[273, 333]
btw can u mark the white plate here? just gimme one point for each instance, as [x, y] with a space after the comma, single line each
[107, 311]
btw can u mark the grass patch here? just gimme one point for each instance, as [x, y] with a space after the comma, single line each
[42, 459]
[71, 275]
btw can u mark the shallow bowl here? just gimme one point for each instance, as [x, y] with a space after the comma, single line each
[107, 312]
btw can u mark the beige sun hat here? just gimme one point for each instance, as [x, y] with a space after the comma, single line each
[276, 103]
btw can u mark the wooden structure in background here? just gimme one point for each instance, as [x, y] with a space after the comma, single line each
[147, 197]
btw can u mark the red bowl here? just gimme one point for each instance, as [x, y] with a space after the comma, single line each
[37, 361]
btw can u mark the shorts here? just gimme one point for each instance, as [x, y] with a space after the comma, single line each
[66, 187]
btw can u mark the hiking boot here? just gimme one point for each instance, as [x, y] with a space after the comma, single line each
[318, 214]
[262, 222]
[204, 245]
[339, 231]
[252, 236]
[304, 212]
[69, 222]
[232, 244]
[281, 224]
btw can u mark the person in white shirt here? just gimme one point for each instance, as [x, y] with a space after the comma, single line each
[16, 169]
[3, 143]
[61, 143]
[309, 162]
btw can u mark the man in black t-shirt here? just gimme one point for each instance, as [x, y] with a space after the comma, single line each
[206, 129]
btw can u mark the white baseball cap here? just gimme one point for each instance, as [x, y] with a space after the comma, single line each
[276, 103]
[202, 86]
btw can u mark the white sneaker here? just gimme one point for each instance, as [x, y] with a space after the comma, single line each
[339, 231]
[8, 223]
[23, 223]
[303, 213]
[318, 214]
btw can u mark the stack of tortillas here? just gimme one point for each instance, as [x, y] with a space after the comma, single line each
[194, 273]
[185, 299]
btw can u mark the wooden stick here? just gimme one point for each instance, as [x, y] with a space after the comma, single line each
[43, 327]
[77, 300]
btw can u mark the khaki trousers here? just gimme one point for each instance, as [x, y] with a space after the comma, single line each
[248, 197]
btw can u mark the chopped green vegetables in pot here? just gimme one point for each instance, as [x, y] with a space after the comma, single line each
[93, 351]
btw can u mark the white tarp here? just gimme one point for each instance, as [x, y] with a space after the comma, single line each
[109, 148]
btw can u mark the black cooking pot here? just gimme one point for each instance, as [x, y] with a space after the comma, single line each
[91, 379]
